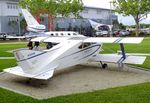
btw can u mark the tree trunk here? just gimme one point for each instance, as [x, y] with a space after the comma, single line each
[137, 25]
[38, 18]
[49, 23]
[52, 21]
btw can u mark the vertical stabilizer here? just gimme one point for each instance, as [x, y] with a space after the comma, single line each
[29, 18]
[32, 23]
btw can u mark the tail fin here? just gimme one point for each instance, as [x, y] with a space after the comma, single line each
[32, 23]
[29, 18]
[33, 62]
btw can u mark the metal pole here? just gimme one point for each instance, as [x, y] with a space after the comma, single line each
[110, 19]
[19, 21]
[1, 16]
[123, 51]
[19, 25]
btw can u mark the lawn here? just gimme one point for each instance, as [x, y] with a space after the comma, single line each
[7, 64]
[128, 94]
[144, 47]
[6, 49]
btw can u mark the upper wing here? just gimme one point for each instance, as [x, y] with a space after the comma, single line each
[132, 40]
[50, 39]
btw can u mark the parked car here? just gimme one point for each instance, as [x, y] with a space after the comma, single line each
[116, 33]
[3, 36]
[101, 33]
[102, 30]
[123, 33]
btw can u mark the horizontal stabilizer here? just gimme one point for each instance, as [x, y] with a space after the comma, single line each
[132, 40]
[18, 71]
[114, 58]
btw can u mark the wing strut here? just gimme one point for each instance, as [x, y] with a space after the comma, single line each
[122, 51]
[120, 64]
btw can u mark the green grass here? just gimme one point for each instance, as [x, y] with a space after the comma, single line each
[144, 47]
[128, 94]
[7, 64]
[4, 48]
[8, 41]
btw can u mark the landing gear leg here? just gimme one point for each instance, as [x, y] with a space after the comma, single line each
[104, 65]
[121, 65]
[28, 81]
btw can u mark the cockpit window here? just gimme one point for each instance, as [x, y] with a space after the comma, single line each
[74, 34]
[84, 45]
[56, 34]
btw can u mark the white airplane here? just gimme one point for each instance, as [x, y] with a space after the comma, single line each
[71, 49]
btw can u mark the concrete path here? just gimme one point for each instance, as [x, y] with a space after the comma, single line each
[138, 54]
[7, 58]
[14, 43]
[77, 79]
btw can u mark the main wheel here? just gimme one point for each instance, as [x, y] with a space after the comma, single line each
[104, 66]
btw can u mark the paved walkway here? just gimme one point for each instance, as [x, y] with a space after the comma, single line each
[14, 43]
[77, 79]
[7, 58]
[138, 54]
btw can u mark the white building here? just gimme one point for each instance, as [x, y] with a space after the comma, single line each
[9, 12]
[9, 16]
[101, 15]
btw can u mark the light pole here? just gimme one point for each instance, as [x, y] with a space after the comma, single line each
[1, 15]
[110, 15]
[19, 14]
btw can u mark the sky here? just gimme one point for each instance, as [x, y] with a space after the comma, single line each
[106, 4]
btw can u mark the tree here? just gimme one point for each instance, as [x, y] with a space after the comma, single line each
[35, 6]
[139, 9]
[70, 7]
[53, 8]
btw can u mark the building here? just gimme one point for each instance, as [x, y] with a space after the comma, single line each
[100, 15]
[9, 17]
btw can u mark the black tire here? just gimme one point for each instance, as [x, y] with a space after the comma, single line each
[104, 66]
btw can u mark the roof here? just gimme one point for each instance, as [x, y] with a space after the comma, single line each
[95, 7]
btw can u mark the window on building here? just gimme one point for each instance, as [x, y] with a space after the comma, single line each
[99, 11]
[12, 5]
[13, 18]
[8, 6]
[16, 6]
[85, 11]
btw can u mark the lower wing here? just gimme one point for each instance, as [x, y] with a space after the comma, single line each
[114, 58]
